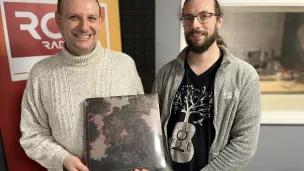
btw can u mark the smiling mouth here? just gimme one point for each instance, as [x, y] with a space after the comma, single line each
[197, 34]
[81, 36]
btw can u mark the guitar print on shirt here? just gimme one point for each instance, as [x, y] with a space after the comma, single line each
[188, 101]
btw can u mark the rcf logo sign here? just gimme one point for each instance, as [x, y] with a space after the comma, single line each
[31, 33]
[31, 29]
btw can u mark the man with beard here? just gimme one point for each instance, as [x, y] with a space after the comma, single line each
[209, 99]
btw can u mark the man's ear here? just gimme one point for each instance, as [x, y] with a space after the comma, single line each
[101, 18]
[57, 18]
[219, 22]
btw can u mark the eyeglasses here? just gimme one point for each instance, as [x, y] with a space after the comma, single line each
[202, 18]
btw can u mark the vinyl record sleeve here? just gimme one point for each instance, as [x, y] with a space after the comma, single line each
[123, 133]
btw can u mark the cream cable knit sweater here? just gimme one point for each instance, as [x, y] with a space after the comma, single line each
[52, 116]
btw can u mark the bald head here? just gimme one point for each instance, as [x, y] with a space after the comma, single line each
[60, 7]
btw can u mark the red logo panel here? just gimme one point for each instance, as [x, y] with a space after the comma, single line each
[31, 29]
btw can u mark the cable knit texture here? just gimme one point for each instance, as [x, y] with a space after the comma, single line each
[52, 121]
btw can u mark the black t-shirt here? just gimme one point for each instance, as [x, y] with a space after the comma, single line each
[190, 127]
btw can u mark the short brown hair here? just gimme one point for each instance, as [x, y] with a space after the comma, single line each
[60, 2]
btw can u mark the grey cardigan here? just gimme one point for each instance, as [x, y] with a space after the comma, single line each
[237, 109]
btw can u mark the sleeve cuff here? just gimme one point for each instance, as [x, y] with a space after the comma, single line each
[58, 159]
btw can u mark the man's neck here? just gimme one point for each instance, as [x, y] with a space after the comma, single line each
[199, 63]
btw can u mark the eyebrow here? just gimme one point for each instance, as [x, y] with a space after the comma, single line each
[91, 15]
[94, 15]
[202, 12]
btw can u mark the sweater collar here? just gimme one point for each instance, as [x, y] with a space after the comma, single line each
[91, 58]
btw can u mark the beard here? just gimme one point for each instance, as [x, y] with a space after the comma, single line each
[200, 48]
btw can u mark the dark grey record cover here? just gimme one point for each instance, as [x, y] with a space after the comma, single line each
[124, 133]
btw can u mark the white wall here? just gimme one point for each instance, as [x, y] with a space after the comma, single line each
[245, 32]
[167, 31]
[263, 2]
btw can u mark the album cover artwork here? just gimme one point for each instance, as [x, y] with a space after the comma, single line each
[124, 133]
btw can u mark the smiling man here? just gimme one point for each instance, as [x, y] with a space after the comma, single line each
[79, 27]
[52, 114]
[209, 99]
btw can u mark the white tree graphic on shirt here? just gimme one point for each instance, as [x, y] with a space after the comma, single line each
[188, 100]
